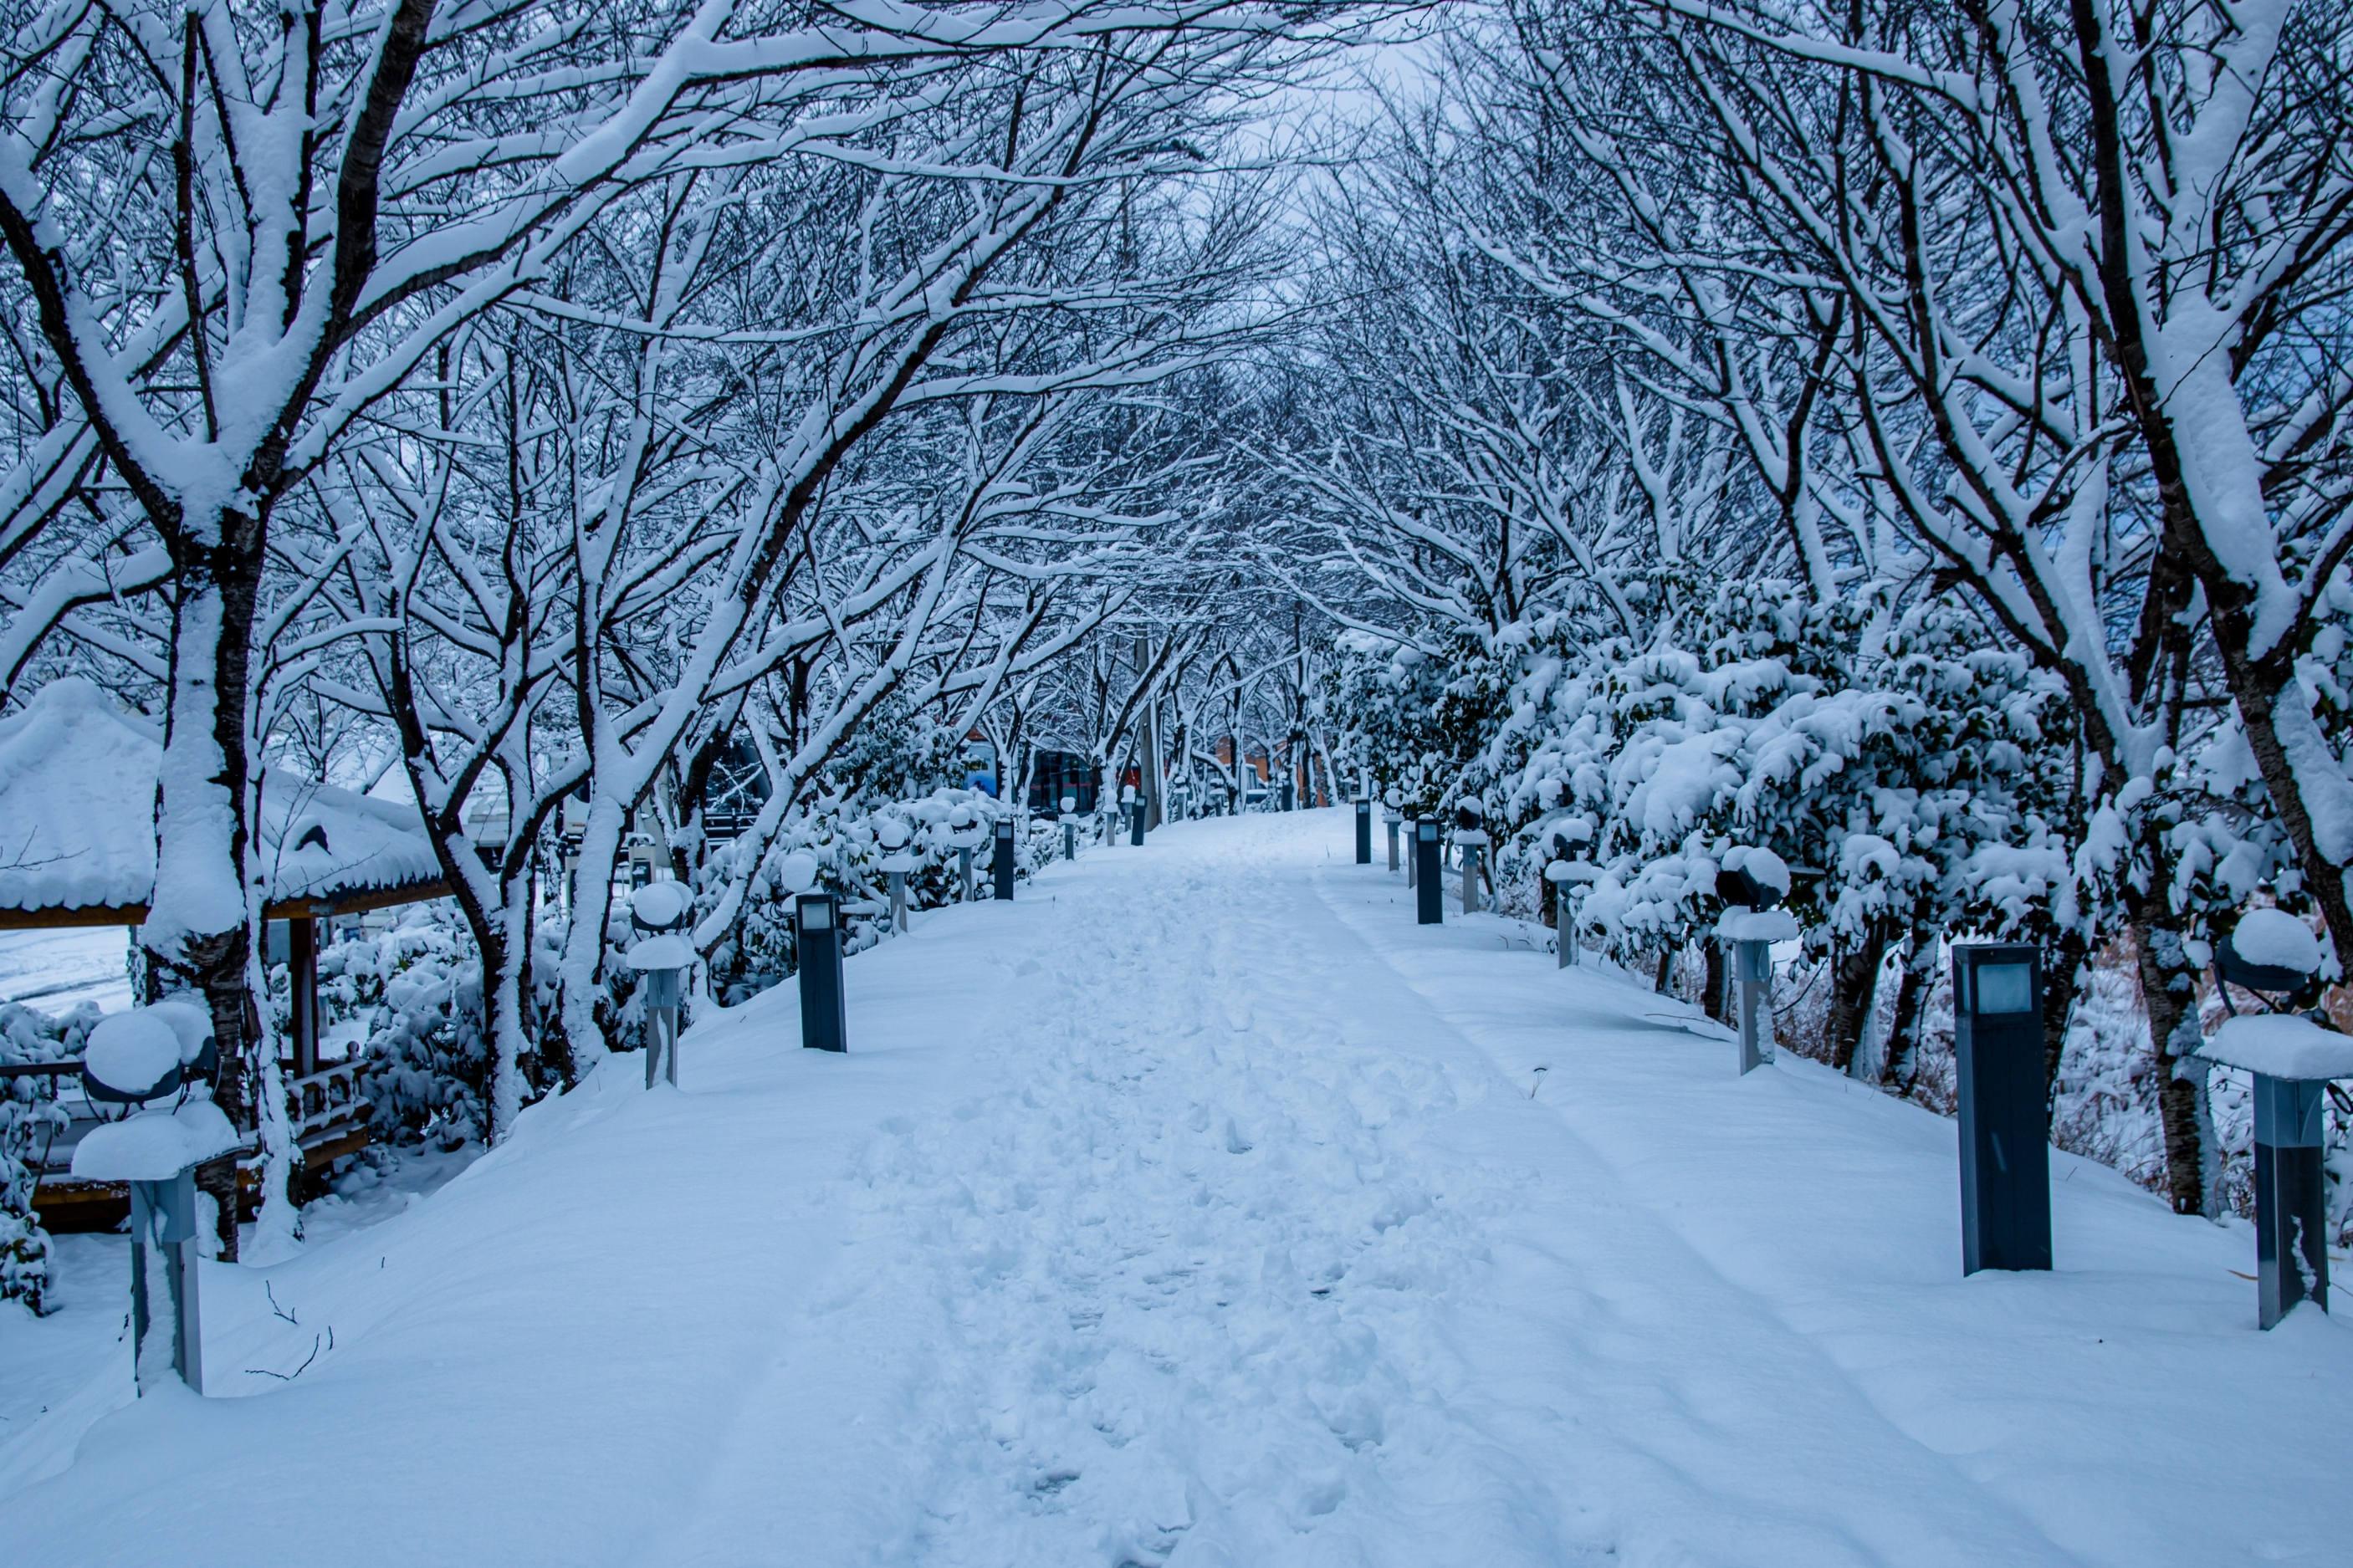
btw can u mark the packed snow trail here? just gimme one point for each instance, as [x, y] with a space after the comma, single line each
[1199, 1208]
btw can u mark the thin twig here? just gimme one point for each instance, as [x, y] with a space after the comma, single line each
[290, 1376]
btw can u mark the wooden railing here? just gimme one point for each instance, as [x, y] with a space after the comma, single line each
[326, 1110]
[326, 1103]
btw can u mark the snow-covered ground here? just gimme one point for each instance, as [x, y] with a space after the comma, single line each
[54, 969]
[1200, 1208]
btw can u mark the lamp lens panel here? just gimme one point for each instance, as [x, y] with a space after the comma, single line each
[2005, 988]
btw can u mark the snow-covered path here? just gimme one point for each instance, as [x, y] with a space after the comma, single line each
[1199, 1209]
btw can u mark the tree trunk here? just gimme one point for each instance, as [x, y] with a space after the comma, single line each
[1854, 982]
[2058, 991]
[1666, 969]
[2170, 995]
[1899, 1066]
[195, 926]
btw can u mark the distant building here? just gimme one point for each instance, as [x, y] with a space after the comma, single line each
[1054, 774]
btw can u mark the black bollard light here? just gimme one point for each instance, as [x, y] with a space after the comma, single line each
[1135, 824]
[1364, 832]
[824, 1013]
[2005, 1131]
[2291, 1197]
[1004, 863]
[1429, 891]
[1070, 827]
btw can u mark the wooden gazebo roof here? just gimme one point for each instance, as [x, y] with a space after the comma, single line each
[78, 835]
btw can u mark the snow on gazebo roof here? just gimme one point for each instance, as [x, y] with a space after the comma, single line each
[77, 834]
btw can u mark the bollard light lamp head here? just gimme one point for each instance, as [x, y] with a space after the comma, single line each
[796, 872]
[1997, 981]
[193, 1022]
[817, 912]
[2272, 951]
[660, 906]
[132, 1058]
[891, 833]
[1752, 878]
[1069, 803]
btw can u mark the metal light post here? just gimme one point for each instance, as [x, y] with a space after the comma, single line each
[817, 923]
[2292, 1060]
[663, 956]
[1364, 830]
[2291, 1190]
[2005, 1107]
[1004, 860]
[1470, 837]
[1390, 817]
[1429, 890]
[1134, 807]
[132, 1057]
[1568, 879]
[964, 831]
[1070, 827]
[893, 835]
[1750, 884]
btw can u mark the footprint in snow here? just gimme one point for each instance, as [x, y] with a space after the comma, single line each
[1238, 1014]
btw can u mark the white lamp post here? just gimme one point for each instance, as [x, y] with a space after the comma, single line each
[148, 1054]
[662, 956]
[891, 834]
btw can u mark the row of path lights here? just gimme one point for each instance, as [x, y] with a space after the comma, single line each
[2004, 1088]
[825, 1025]
[162, 1051]
[661, 956]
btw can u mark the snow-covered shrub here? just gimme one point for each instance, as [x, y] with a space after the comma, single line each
[836, 846]
[1422, 717]
[417, 991]
[29, 1117]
